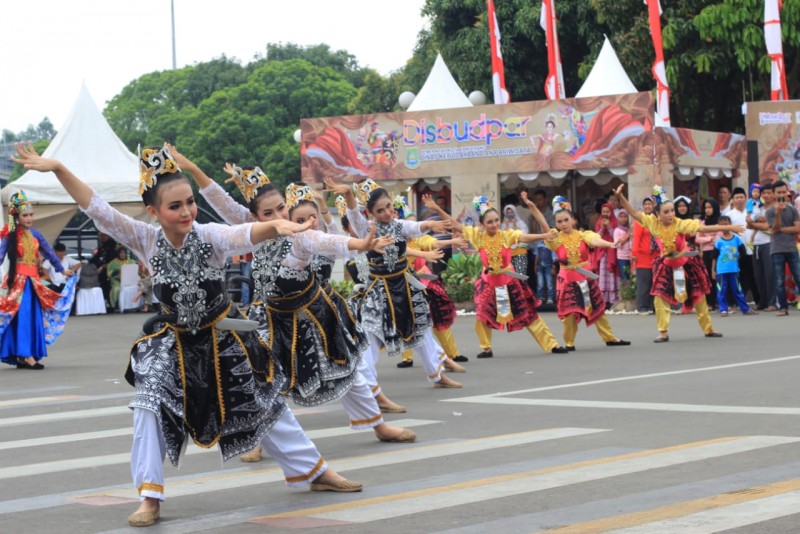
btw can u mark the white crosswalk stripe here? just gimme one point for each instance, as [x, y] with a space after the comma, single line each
[456, 489]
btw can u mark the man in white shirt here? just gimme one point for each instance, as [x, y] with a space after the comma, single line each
[57, 279]
[737, 214]
[762, 260]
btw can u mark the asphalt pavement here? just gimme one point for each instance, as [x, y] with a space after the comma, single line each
[695, 435]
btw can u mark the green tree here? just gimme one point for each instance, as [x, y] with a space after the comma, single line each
[253, 123]
[707, 44]
[18, 170]
[151, 108]
[736, 27]
[459, 30]
[319, 55]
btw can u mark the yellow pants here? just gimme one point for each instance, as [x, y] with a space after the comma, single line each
[538, 329]
[408, 355]
[447, 341]
[571, 329]
[663, 315]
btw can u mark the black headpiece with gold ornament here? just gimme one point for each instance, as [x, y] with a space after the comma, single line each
[249, 180]
[296, 193]
[154, 162]
[363, 189]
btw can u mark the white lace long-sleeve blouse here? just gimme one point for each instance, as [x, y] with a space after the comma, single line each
[228, 208]
[360, 225]
[312, 243]
[142, 238]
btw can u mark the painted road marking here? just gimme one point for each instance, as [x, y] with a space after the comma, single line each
[633, 377]
[121, 458]
[36, 400]
[116, 410]
[64, 416]
[413, 502]
[128, 431]
[395, 456]
[729, 517]
[655, 406]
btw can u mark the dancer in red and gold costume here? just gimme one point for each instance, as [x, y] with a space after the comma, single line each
[679, 276]
[502, 299]
[578, 295]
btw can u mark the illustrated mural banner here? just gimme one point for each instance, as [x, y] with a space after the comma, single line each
[773, 131]
[601, 132]
[698, 148]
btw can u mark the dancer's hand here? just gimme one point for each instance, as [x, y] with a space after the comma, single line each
[459, 243]
[429, 202]
[183, 162]
[432, 255]
[440, 227]
[230, 170]
[31, 160]
[289, 228]
[528, 202]
[333, 187]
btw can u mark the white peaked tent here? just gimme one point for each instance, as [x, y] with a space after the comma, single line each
[88, 146]
[440, 90]
[607, 77]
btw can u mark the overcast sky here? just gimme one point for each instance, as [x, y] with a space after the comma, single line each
[50, 46]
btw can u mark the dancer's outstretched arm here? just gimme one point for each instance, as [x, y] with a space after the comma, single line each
[431, 204]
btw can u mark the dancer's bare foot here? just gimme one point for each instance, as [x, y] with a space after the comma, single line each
[445, 382]
[453, 367]
[394, 434]
[252, 456]
[330, 480]
[147, 513]
[387, 405]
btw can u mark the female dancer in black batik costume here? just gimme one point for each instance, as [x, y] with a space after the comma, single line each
[195, 377]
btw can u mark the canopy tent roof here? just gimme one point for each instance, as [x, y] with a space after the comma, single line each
[607, 77]
[88, 146]
[440, 90]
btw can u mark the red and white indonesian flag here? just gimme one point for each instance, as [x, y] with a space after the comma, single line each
[659, 70]
[772, 34]
[554, 85]
[501, 95]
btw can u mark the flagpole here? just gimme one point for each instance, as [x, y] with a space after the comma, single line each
[172, 12]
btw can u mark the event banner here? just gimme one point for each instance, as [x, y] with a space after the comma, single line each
[698, 148]
[600, 132]
[773, 130]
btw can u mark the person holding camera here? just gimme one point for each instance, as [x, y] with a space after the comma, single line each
[784, 222]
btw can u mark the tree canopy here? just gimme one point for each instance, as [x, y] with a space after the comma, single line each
[222, 110]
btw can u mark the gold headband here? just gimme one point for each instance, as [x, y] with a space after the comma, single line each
[248, 181]
[296, 193]
[341, 205]
[153, 162]
[363, 189]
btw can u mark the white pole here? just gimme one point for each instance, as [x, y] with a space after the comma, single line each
[172, 10]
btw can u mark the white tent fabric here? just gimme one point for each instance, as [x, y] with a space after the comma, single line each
[440, 90]
[607, 77]
[88, 146]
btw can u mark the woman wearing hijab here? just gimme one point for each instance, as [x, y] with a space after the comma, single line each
[705, 242]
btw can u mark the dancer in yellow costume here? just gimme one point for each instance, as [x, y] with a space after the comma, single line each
[679, 275]
[502, 300]
[578, 294]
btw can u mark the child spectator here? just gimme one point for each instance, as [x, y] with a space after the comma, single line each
[729, 247]
[622, 238]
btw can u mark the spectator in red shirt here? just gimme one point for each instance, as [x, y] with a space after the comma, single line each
[643, 252]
